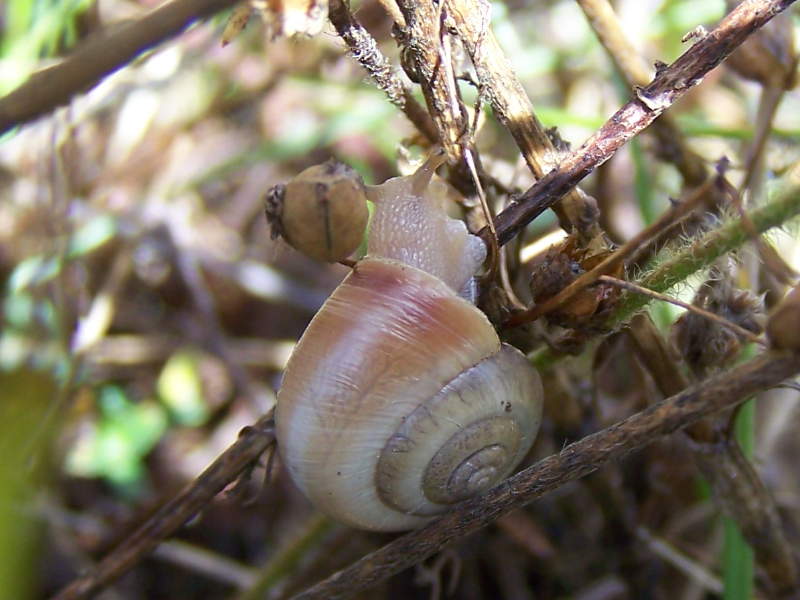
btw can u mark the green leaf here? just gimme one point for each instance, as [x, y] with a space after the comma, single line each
[114, 446]
[181, 389]
[91, 235]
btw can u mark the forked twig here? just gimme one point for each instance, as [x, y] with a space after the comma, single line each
[513, 108]
[670, 84]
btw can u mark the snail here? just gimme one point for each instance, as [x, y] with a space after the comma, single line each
[399, 400]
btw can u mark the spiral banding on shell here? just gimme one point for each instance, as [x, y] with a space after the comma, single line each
[400, 400]
[465, 439]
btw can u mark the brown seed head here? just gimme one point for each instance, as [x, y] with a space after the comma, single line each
[783, 326]
[322, 212]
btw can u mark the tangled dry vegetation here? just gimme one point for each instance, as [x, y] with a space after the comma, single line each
[148, 314]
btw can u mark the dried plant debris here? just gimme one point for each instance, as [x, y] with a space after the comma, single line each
[148, 309]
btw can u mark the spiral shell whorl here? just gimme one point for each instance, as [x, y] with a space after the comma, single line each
[464, 440]
[395, 354]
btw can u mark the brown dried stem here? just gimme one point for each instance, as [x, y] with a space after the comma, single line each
[675, 213]
[633, 68]
[501, 86]
[251, 443]
[99, 56]
[670, 84]
[736, 486]
[427, 43]
[579, 459]
[365, 50]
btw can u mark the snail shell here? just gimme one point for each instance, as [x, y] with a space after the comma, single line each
[439, 412]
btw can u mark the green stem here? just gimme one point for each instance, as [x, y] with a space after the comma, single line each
[737, 555]
[738, 561]
[286, 559]
[783, 206]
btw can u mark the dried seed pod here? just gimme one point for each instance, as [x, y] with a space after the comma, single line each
[783, 326]
[559, 267]
[706, 344]
[322, 212]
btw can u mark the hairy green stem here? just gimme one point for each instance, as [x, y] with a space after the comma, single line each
[783, 206]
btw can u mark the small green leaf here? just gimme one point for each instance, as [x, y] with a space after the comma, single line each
[181, 389]
[31, 271]
[114, 447]
[92, 235]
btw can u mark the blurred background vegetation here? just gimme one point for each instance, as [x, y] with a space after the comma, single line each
[147, 314]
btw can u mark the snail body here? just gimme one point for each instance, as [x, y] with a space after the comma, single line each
[400, 400]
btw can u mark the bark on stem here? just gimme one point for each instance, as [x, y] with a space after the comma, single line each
[365, 50]
[579, 459]
[670, 84]
[501, 86]
[735, 484]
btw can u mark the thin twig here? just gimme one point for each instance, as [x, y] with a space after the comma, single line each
[365, 50]
[768, 105]
[205, 562]
[637, 289]
[670, 84]
[574, 461]
[100, 56]
[251, 443]
[501, 86]
[680, 561]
